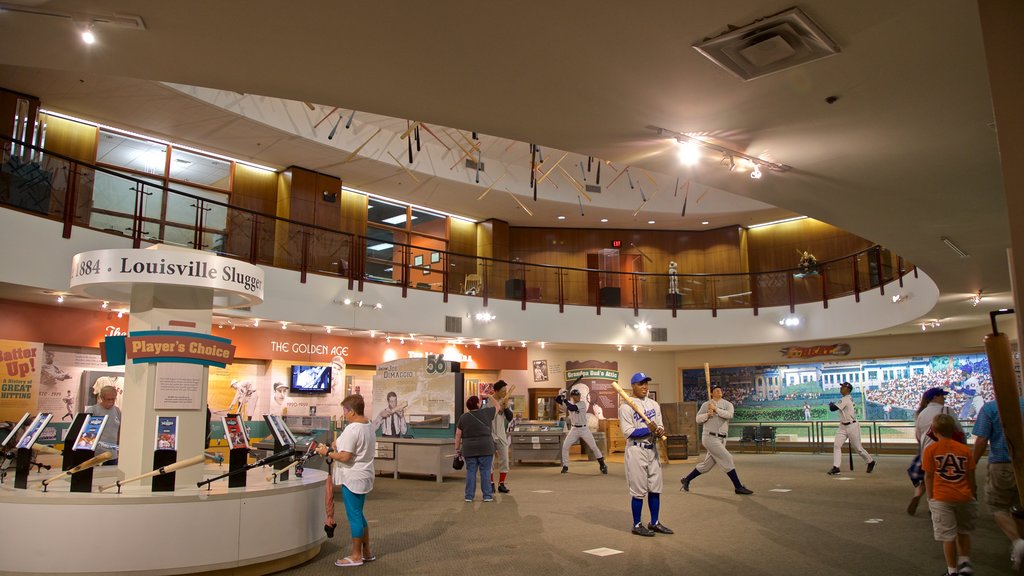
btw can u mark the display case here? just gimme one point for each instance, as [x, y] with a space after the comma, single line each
[537, 441]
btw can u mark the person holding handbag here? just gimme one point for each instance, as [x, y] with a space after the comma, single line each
[474, 443]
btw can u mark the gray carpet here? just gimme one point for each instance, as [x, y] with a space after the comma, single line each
[820, 527]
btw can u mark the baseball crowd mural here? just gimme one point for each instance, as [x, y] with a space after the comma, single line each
[883, 389]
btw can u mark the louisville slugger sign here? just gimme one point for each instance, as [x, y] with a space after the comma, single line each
[812, 351]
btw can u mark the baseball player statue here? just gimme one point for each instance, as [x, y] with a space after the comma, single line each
[848, 428]
[578, 429]
[673, 278]
[499, 431]
[715, 415]
[643, 470]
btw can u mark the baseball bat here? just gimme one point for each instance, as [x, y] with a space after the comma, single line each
[159, 471]
[310, 451]
[1004, 384]
[849, 441]
[633, 405]
[96, 460]
[44, 449]
[707, 378]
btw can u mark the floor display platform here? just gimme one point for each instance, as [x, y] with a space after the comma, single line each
[256, 529]
[426, 456]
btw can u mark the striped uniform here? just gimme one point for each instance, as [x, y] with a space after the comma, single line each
[643, 470]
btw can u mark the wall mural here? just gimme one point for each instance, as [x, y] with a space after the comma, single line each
[884, 388]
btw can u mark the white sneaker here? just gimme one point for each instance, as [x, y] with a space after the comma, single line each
[1017, 555]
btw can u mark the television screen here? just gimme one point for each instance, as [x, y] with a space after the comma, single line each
[311, 380]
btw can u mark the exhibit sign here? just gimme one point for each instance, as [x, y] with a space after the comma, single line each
[178, 387]
[152, 346]
[20, 369]
[111, 274]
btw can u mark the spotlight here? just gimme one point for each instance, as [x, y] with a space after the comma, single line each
[619, 347]
[120, 314]
[387, 338]
[378, 306]
[347, 301]
[523, 342]
[284, 325]
[976, 299]
[756, 172]
[87, 35]
[328, 328]
[256, 323]
[105, 304]
[542, 344]
[635, 347]
[689, 154]
[60, 298]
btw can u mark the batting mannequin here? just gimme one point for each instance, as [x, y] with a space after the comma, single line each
[673, 278]
[848, 428]
[715, 415]
[578, 429]
[499, 431]
[643, 470]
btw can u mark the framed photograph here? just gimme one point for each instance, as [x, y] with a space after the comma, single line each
[426, 270]
[417, 260]
[435, 257]
[653, 395]
[540, 370]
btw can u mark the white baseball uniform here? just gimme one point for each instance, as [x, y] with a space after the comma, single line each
[499, 431]
[716, 432]
[643, 470]
[578, 430]
[848, 428]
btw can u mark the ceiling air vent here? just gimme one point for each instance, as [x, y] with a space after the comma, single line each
[787, 39]
[659, 334]
[453, 324]
[471, 164]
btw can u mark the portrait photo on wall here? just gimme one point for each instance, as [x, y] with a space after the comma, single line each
[884, 388]
[540, 370]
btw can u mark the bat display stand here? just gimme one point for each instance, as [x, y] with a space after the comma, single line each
[22, 465]
[237, 459]
[68, 461]
[81, 481]
[163, 482]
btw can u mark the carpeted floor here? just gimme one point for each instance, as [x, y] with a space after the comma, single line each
[820, 525]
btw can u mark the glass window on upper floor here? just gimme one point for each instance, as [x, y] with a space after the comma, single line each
[132, 153]
[200, 169]
[116, 194]
[380, 212]
[424, 222]
[182, 209]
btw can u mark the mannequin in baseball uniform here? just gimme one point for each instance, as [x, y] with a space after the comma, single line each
[643, 470]
[715, 415]
[578, 429]
[848, 428]
[499, 431]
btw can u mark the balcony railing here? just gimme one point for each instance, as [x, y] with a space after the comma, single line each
[60, 188]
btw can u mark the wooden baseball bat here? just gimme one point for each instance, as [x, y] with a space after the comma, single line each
[94, 461]
[159, 471]
[1004, 384]
[44, 449]
[707, 378]
[629, 401]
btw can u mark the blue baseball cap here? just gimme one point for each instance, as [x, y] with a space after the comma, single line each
[639, 378]
[931, 393]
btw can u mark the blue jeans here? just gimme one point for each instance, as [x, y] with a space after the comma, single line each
[483, 464]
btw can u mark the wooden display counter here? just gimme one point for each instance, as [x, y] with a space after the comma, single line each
[424, 456]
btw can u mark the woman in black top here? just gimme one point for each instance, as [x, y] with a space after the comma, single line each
[474, 443]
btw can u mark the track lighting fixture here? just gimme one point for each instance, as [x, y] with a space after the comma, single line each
[976, 299]
[690, 148]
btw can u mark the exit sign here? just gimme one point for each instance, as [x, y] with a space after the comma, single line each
[616, 243]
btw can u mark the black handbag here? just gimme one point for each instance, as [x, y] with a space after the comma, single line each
[458, 462]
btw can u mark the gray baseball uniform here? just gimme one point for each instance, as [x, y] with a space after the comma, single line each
[499, 431]
[578, 430]
[848, 428]
[716, 432]
[643, 470]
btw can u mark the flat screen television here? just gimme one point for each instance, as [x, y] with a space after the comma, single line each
[310, 380]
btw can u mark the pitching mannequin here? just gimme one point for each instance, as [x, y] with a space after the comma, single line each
[848, 428]
[643, 470]
[715, 415]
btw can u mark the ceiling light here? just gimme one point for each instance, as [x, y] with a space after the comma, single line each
[604, 219]
[561, 217]
[976, 299]
[328, 328]
[752, 226]
[60, 298]
[689, 153]
[705, 222]
[619, 347]
[707, 145]
[284, 325]
[256, 323]
[523, 342]
[378, 306]
[387, 338]
[401, 341]
[952, 246]
[105, 304]
[790, 321]
[635, 347]
[347, 301]
[87, 35]
[650, 221]
[542, 344]
[120, 313]
[756, 172]
[499, 341]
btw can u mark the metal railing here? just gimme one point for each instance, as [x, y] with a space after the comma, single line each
[60, 188]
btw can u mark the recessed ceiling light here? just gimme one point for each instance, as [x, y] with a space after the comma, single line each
[650, 221]
[561, 217]
[604, 219]
[705, 222]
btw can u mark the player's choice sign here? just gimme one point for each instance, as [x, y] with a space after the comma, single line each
[167, 346]
[111, 274]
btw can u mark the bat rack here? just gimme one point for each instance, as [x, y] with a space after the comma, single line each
[161, 482]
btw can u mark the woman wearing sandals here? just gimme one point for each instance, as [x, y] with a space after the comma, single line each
[353, 470]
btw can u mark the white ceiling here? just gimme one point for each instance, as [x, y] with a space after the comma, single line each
[905, 155]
